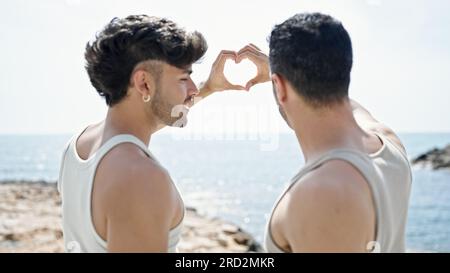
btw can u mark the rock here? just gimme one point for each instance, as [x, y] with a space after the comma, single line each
[247, 241]
[436, 158]
[230, 229]
[191, 209]
[222, 240]
[30, 214]
[242, 238]
[10, 237]
[255, 247]
[58, 234]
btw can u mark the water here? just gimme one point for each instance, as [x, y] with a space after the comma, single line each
[239, 180]
[31, 157]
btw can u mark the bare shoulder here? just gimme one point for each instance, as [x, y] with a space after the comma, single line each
[136, 201]
[390, 134]
[387, 132]
[334, 184]
[369, 123]
[330, 209]
[88, 141]
[133, 179]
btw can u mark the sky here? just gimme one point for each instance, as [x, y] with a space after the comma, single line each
[401, 70]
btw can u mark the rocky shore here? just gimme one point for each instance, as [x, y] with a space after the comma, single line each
[435, 158]
[30, 221]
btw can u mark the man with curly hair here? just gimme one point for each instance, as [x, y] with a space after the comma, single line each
[115, 195]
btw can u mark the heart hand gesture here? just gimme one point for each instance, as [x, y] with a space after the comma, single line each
[255, 55]
[217, 80]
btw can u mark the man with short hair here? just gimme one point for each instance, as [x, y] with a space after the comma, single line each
[352, 194]
[115, 195]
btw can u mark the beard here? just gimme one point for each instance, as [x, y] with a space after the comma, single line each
[280, 108]
[174, 115]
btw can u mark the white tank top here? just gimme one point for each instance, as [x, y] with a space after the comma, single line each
[388, 174]
[75, 182]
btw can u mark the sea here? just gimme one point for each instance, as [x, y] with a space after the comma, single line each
[238, 178]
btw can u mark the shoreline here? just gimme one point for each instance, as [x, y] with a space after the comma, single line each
[30, 213]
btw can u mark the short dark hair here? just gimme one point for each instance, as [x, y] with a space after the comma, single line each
[313, 52]
[123, 43]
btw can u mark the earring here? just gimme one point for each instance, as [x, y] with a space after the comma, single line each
[146, 98]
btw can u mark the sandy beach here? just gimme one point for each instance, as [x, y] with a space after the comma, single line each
[30, 221]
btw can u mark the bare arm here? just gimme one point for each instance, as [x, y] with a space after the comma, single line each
[330, 210]
[368, 122]
[140, 211]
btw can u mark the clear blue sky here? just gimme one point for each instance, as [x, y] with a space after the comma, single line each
[401, 64]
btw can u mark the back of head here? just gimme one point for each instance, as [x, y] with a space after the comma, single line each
[125, 42]
[313, 52]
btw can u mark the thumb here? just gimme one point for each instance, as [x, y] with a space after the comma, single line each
[250, 83]
[237, 87]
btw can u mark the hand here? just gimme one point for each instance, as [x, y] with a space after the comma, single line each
[254, 54]
[217, 80]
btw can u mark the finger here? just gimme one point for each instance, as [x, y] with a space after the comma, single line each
[251, 83]
[236, 87]
[224, 57]
[224, 53]
[249, 54]
[230, 86]
[247, 48]
[251, 47]
[257, 48]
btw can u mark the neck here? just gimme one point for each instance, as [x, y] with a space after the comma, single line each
[124, 118]
[321, 130]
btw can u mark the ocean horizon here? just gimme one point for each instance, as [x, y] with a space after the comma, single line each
[238, 178]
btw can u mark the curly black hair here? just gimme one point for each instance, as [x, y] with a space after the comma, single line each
[123, 43]
[313, 51]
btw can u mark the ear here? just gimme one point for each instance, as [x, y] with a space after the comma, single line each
[279, 84]
[143, 82]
